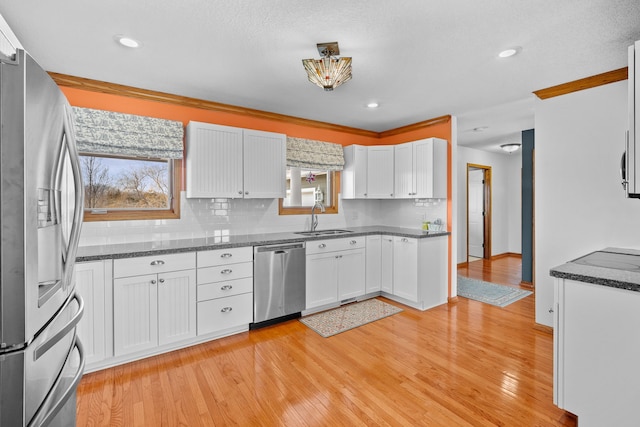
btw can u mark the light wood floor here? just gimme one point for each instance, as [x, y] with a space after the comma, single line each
[465, 364]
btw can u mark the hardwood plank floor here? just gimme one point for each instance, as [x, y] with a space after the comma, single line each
[464, 364]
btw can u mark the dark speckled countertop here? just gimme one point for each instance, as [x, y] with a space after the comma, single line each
[130, 250]
[606, 276]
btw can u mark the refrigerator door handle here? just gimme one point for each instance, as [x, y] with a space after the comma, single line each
[78, 213]
[46, 414]
[45, 346]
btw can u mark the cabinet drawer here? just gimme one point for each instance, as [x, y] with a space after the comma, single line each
[225, 289]
[223, 313]
[225, 256]
[153, 264]
[223, 273]
[331, 245]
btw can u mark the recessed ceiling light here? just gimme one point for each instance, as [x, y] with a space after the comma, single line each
[509, 52]
[127, 41]
[372, 105]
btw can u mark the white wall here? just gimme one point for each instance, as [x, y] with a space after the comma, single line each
[506, 234]
[579, 203]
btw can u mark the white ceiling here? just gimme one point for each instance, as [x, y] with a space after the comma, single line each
[419, 59]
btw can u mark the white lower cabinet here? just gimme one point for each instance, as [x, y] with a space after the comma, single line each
[93, 283]
[405, 268]
[154, 309]
[386, 264]
[335, 271]
[373, 275]
[596, 353]
[225, 289]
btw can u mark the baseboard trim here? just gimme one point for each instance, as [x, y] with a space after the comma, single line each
[543, 328]
[527, 285]
[506, 255]
[463, 264]
[452, 300]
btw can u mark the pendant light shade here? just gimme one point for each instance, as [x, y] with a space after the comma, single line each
[328, 72]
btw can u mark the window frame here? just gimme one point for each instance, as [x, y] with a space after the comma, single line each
[172, 212]
[306, 210]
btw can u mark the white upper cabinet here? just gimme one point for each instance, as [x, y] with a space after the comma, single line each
[354, 174]
[224, 161]
[420, 169]
[380, 172]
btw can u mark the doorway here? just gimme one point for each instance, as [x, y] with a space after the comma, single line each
[478, 212]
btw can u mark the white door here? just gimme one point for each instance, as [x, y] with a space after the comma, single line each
[405, 268]
[135, 314]
[351, 274]
[403, 171]
[476, 213]
[264, 165]
[380, 172]
[176, 306]
[322, 279]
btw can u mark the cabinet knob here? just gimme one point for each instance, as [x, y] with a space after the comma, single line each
[404, 239]
[240, 192]
[161, 280]
[246, 192]
[322, 245]
[365, 194]
[353, 242]
[157, 262]
[226, 310]
[551, 310]
[226, 271]
[338, 256]
[153, 282]
[391, 194]
[226, 288]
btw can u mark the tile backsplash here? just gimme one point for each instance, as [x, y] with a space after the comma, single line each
[224, 217]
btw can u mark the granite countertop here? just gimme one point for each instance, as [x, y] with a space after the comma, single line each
[620, 278]
[130, 250]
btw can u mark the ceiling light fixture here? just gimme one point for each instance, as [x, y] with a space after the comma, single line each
[372, 105]
[509, 52]
[511, 147]
[127, 41]
[328, 72]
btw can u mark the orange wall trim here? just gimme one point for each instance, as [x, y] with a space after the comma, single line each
[99, 95]
[582, 84]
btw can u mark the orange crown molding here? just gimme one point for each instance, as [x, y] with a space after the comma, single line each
[149, 95]
[582, 84]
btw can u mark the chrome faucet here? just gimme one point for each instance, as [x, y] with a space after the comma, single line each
[314, 217]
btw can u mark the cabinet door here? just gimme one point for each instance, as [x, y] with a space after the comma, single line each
[373, 257]
[176, 306]
[90, 284]
[264, 165]
[351, 274]
[404, 178]
[354, 175]
[386, 264]
[214, 161]
[423, 168]
[322, 279]
[135, 314]
[405, 268]
[380, 172]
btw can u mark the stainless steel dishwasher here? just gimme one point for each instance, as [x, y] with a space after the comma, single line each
[278, 283]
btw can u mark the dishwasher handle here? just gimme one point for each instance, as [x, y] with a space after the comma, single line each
[278, 249]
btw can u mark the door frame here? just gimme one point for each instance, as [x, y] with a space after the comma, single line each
[487, 209]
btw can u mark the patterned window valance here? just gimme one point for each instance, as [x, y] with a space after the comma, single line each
[107, 132]
[315, 155]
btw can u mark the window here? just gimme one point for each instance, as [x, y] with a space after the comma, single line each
[306, 187]
[121, 188]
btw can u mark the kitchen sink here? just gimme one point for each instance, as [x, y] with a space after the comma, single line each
[323, 232]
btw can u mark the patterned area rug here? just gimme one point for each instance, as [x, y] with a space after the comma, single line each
[350, 316]
[490, 293]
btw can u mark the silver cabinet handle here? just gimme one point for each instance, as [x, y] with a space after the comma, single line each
[551, 310]
[161, 280]
[405, 240]
[226, 255]
[153, 282]
[322, 245]
[226, 288]
[240, 192]
[226, 310]
[157, 262]
[246, 192]
[353, 242]
[365, 194]
[226, 271]
[338, 256]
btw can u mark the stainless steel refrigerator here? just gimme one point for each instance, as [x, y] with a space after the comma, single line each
[41, 359]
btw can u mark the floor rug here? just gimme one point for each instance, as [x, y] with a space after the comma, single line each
[332, 322]
[490, 293]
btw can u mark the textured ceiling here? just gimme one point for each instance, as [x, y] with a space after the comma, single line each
[418, 59]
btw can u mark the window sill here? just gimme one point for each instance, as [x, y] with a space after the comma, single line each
[131, 215]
